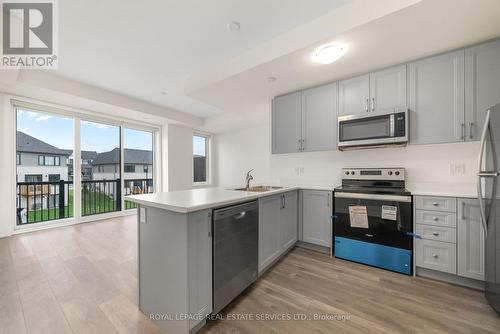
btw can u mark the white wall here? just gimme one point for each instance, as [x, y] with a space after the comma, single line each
[428, 166]
[180, 157]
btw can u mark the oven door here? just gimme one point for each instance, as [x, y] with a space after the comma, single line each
[366, 130]
[375, 230]
[374, 218]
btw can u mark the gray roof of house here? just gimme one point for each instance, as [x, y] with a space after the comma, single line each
[29, 144]
[132, 156]
[92, 155]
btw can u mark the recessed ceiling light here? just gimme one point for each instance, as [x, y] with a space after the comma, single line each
[329, 53]
[271, 79]
[163, 92]
[233, 26]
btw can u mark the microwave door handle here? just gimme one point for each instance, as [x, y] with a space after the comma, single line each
[366, 105]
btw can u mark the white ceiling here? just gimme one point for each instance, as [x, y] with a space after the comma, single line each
[141, 48]
[426, 28]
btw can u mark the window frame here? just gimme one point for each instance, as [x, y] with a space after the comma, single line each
[18, 159]
[208, 139]
[33, 175]
[128, 165]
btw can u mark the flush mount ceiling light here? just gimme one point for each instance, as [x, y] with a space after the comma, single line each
[163, 92]
[233, 26]
[329, 53]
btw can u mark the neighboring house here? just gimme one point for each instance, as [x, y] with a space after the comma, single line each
[138, 166]
[38, 161]
[87, 159]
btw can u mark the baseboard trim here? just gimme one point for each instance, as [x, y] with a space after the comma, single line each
[317, 248]
[450, 278]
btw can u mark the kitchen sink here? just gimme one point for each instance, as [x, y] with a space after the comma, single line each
[259, 188]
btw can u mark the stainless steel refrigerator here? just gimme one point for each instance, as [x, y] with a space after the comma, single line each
[489, 202]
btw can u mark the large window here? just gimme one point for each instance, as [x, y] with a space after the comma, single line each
[138, 165]
[106, 172]
[43, 143]
[200, 159]
[101, 193]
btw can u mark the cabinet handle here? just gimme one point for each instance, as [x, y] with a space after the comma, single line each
[463, 210]
[373, 104]
[209, 224]
[470, 130]
[366, 105]
[434, 255]
[303, 145]
[435, 204]
[328, 201]
[436, 219]
[299, 144]
[463, 131]
[284, 201]
[435, 234]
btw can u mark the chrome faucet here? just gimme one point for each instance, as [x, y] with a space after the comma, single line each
[249, 178]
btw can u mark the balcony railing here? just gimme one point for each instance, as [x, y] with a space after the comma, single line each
[136, 187]
[101, 196]
[46, 201]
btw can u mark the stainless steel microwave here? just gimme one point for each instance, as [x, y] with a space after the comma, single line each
[373, 130]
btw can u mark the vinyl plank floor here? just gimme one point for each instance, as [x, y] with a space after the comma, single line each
[83, 279]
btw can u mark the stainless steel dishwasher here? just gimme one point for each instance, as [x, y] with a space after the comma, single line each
[235, 251]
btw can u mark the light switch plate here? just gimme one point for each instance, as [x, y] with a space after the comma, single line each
[142, 215]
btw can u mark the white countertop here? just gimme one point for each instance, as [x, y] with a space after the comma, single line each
[462, 190]
[199, 199]
[185, 201]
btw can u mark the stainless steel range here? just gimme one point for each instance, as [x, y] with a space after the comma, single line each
[373, 218]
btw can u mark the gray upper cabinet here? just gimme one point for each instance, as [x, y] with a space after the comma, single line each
[471, 241]
[388, 89]
[482, 85]
[319, 117]
[288, 220]
[436, 99]
[286, 123]
[354, 95]
[316, 217]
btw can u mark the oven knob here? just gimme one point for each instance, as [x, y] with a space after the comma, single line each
[390, 172]
[346, 173]
[352, 173]
[397, 173]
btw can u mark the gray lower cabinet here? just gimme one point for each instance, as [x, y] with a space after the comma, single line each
[388, 89]
[316, 221]
[287, 123]
[269, 229]
[319, 118]
[436, 99]
[451, 236]
[354, 95]
[175, 267]
[288, 220]
[471, 240]
[277, 226]
[482, 85]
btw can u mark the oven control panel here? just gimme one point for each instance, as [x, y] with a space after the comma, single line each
[396, 174]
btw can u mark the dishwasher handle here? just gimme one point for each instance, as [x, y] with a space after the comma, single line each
[239, 211]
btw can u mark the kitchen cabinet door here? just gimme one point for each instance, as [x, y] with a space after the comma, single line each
[388, 89]
[436, 99]
[287, 123]
[471, 240]
[269, 230]
[200, 264]
[319, 118]
[288, 220]
[482, 85]
[316, 217]
[354, 95]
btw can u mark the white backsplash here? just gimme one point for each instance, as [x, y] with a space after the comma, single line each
[451, 165]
